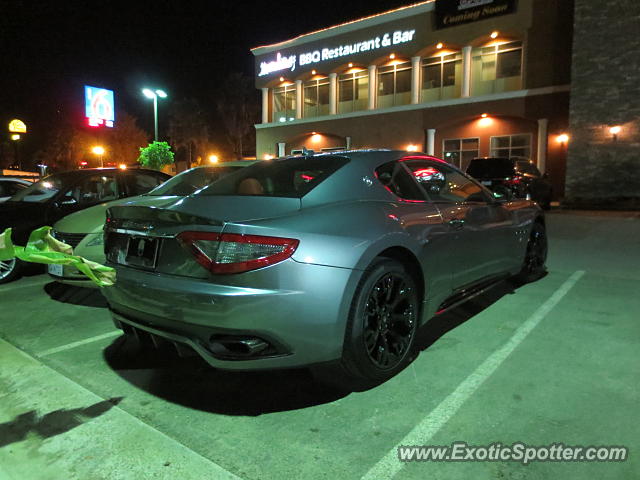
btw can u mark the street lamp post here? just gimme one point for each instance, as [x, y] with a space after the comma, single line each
[98, 150]
[16, 139]
[154, 96]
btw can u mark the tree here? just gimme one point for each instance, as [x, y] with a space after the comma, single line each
[156, 155]
[68, 143]
[123, 142]
[189, 129]
[238, 109]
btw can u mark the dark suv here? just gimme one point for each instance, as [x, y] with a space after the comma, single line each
[58, 195]
[513, 178]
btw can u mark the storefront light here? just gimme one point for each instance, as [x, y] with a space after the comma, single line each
[439, 45]
[316, 138]
[485, 120]
[614, 131]
[268, 156]
[562, 139]
[494, 34]
[213, 159]
[412, 148]
[392, 56]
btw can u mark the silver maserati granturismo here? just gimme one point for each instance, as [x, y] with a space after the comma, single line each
[318, 259]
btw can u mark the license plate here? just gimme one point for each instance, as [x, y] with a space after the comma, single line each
[486, 182]
[55, 270]
[142, 252]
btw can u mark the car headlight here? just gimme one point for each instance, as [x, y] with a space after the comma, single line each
[95, 241]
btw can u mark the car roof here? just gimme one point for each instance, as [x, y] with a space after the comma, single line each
[14, 179]
[493, 158]
[88, 171]
[369, 156]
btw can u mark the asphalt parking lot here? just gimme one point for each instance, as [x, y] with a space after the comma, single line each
[556, 361]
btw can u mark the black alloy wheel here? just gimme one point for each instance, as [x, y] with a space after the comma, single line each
[381, 328]
[389, 321]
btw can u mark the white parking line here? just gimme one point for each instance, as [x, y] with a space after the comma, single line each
[69, 346]
[389, 465]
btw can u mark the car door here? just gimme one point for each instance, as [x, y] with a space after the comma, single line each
[422, 221]
[90, 190]
[481, 229]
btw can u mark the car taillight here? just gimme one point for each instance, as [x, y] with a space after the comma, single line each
[233, 253]
[512, 181]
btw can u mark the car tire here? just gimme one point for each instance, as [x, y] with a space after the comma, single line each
[381, 328]
[533, 265]
[10, 270]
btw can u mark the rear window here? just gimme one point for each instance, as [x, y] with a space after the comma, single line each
[188, 182]
[287, 177]
[490, 168]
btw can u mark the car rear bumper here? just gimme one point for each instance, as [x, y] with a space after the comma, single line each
[72, 276]
[236, 326]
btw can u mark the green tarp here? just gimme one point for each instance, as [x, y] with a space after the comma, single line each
[43, 248]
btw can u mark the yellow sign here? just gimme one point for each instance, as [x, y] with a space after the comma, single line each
[17, 126]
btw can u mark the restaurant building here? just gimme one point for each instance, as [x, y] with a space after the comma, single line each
[452, 78]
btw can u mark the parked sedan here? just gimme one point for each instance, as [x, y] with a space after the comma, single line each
[514, 177]
[83, 230]
[328, 259]
[60, 194]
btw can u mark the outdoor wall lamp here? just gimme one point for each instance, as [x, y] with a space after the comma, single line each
[614, 131]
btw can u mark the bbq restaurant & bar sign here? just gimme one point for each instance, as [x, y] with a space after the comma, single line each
[450, 13]
[308, 58]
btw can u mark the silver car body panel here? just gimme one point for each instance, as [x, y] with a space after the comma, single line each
[302, 304]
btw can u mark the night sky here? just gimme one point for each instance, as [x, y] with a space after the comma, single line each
[51, 48]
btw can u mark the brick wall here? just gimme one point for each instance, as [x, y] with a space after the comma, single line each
[605, 91]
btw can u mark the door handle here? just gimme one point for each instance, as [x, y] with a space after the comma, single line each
[456, 224]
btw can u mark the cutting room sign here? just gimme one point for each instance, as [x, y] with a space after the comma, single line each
[455, 12]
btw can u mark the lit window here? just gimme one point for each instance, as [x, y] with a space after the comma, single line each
[284, 103]
[394, 85]
[511, 146]
[353, 91]
[316, 98]
[460, 151]
[441, 77]
[497, 68]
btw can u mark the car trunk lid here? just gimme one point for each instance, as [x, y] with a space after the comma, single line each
[145, 237]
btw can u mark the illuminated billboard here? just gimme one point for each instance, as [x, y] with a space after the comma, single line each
[99, 108]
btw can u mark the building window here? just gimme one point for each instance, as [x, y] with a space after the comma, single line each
[316, 98]
[394, 85]
[497, 68]
[284, 103]
[460, 151]
[353, 91]
[511, 146]
[441, 77]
